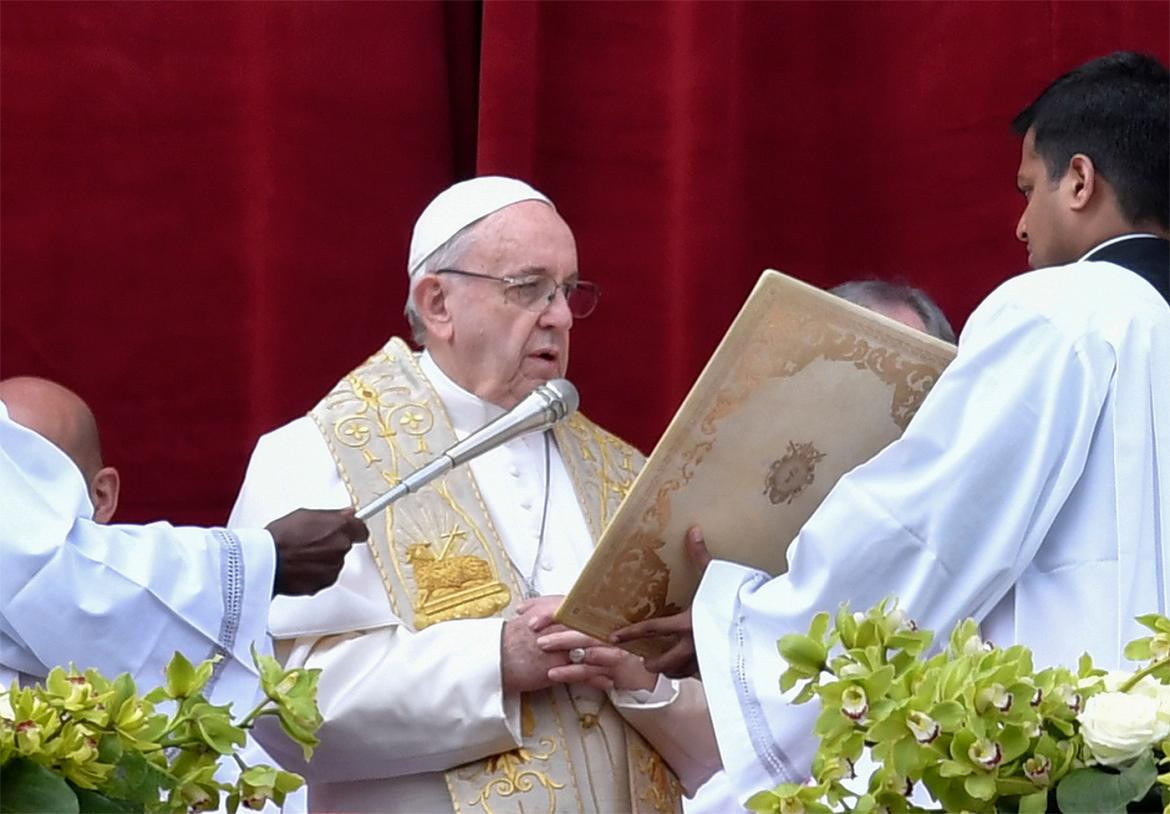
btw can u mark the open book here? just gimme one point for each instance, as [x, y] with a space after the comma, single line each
[803, 387]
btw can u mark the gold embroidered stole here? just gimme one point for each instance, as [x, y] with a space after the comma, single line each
[440, 558]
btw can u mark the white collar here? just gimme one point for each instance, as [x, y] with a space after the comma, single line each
[1113, 240]
[468, 411]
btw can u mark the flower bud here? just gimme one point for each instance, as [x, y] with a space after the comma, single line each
[985, 754]
[197, 799]
[975, 646]
[1037, 769]
[854, 703]
[993, 696]
[29, 736]
[791, 805]
[924, 728]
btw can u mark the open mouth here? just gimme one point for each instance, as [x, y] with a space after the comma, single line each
[549, 355]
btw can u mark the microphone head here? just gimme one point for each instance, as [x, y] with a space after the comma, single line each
[563, 396]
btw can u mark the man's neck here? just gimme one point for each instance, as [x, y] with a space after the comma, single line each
[468, 411]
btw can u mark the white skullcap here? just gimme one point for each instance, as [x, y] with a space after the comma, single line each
[461, 205]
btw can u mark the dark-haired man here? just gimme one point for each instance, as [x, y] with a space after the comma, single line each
[1029, 491]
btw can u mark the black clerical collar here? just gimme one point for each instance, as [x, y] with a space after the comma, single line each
[1148, 256]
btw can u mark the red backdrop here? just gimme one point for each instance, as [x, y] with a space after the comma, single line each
[205, 208]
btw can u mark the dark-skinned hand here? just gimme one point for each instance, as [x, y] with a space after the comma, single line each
[311, 545]
[680, 660]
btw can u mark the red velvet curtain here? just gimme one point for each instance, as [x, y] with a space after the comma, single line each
[205, 208]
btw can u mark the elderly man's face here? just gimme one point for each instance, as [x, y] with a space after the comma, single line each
[500, 350]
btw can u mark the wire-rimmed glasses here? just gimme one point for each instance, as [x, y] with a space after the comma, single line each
[536, 292]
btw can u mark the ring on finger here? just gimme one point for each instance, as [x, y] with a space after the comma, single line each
[577, 655]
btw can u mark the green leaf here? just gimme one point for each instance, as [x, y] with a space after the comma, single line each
[1154, 621]
[29, 788]
[93, 803]
[298, 731]
[878, 683]
[1035, 803]
[1092, 791]
[806, 693]
[891, 728]
[137, 780]
[953, 768]
[763, 801]
[1013, 742]
[803, 653]
[180, 676]
[820, 624]
[907, 756]
[980, 786]
[949, 715]
[156, 696]
[220, 734]
[288, 781]
[1140, 649]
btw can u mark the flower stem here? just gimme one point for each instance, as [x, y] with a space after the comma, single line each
[246, 723]
[1140, 674]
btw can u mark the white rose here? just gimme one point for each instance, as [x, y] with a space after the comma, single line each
[1152, 688]
[1148, 686]
[1118, 727]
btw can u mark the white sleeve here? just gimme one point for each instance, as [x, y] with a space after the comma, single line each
[396, 702]
[946, 519]
[422, 701]
[120, 598]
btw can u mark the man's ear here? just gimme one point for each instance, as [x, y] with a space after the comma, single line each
[103, 491]
[430, 300]
[1081, 180]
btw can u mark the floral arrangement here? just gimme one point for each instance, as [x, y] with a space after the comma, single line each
[81, 742]
[975, 724]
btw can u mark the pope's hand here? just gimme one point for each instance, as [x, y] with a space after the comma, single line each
[594, 662]
[311, 545]
[524, 666]
[680, 660]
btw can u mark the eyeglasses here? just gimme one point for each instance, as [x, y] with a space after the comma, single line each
[537, 292]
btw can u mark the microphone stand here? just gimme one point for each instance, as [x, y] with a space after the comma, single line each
[545, 406]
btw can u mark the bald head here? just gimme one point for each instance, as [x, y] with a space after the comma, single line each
[59, 415]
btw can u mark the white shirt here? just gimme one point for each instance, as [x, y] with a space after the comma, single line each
[1029, 493]
[119, 598]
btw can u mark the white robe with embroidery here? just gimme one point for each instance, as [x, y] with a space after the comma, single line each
[400, 706]
[1030, 492]
[119, 598]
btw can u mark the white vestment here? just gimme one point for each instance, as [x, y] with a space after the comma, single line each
[400, 706]
[120, 598]
[1030, 492]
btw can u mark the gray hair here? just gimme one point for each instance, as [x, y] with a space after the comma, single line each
[446, 256]
[869, 293]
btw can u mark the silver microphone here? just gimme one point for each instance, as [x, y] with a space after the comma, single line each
[548, 404]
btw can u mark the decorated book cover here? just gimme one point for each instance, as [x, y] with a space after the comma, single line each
[802, 388]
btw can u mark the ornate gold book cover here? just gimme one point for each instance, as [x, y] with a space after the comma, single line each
[802, 388]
